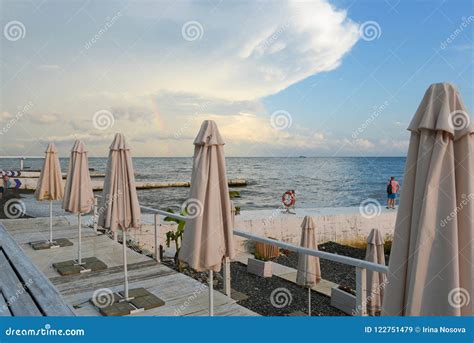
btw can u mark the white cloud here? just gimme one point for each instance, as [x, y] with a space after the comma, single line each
[160, 86]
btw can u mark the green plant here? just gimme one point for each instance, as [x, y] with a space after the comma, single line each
[176, 236]
[234, 194]
[237, 210]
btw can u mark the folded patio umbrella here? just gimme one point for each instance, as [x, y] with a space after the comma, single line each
[375, 281]
[430, 269]
[309, 270]
[119, 196]
[50, 183]
[208, 236]
[78, 195]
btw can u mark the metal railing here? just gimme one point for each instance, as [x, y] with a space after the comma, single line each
[360, 265]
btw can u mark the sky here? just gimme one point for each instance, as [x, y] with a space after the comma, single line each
[280, 78]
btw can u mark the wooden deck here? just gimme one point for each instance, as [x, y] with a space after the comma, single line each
[183, 295]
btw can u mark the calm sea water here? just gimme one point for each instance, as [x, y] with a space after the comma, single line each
[318, 181]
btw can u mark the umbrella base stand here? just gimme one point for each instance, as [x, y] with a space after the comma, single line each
[57, 243]
[114, 304]
[71, 267]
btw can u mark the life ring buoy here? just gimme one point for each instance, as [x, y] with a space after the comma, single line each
[289, 199]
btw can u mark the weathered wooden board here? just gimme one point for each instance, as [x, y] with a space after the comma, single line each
[40, 290]
[183, 295]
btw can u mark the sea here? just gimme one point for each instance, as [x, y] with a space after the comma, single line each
[318, 181]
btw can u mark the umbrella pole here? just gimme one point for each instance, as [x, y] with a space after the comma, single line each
[211, 295]
[51, 222]
[125, 272]
[309, 301]
[79, 254]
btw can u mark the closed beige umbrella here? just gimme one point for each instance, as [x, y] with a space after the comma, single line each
[78, 195]
[208, 236]
[309, 270]
[375, 281]
[119, 197]
[50, 184]
[430, 269]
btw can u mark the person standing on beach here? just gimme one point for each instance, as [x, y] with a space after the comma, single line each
[392, 189]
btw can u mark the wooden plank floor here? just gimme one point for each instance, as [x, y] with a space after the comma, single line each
[183, 295]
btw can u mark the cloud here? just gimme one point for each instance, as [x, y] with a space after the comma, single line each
[159, 86]
[247, 51]
[44, 118]
[5, 116]
[49, 67]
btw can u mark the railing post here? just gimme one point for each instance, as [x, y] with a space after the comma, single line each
[226, 276]
[22, 163]
[95, 213]
[157, 238]
[361, 291]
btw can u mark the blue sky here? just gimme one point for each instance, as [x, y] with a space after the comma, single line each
[280, 78]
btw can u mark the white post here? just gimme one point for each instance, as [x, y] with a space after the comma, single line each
[309, 301]
[95, 213]
[51, 222]
[361, 291]
[125, 272]
[211, 295]
[226, 272]
[157, 238]
[22, 161]
[79, 256]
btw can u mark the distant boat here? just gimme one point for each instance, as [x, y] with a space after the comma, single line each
[301, 156]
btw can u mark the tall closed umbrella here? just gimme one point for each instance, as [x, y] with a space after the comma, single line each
[309, 270]
[119, 197]
[50, 185]
[430, 269]
[208, 236]
[375, 281]
[78, 195]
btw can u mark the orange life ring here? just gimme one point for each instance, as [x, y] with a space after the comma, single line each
[288, 199]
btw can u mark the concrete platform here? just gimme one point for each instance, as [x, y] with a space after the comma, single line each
[183, 296]
[323, 287]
